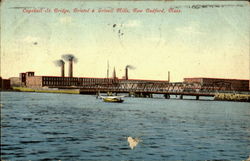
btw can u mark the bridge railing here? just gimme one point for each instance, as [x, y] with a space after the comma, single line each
[156, 87]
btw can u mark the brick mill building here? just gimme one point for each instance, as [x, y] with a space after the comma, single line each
[232, 84]
[29, 79]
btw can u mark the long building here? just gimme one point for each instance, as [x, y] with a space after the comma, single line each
[29, 79]
[230, 84]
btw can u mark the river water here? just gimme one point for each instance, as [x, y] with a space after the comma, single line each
[80, 127]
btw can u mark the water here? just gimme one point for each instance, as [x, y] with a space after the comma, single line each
[80, 127]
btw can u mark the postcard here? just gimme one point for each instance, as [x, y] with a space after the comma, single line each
[156, 68]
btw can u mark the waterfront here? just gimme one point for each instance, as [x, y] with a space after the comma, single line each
[77, 127]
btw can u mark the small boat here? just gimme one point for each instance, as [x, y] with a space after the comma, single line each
[112, 99]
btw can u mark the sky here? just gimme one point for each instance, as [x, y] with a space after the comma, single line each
[209, 41]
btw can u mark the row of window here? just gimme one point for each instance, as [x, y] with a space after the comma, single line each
[75, 79]
[59, 79]
[60, 83]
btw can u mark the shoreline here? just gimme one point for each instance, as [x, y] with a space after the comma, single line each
[232, 97]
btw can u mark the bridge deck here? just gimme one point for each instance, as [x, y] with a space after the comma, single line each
[191, 89]
[191, 93]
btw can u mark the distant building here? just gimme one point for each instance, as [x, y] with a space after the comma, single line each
[15, 82]
[30, 80]
[4, 84]
[231, 84]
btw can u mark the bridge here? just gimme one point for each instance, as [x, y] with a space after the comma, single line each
[147, 89]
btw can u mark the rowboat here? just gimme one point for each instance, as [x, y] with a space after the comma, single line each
[112, 99]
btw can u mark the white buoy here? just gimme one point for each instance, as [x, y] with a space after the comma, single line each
[133, 142]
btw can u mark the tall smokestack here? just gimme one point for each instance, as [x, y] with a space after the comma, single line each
[126, 73]
[114, 74]
[72, 59]
[70, 68]
[60, 63]
[107, 69]
[126, 70]
[62, 70]
[168, 76]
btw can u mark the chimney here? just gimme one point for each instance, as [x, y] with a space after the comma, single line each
[168, 76]
[70, 68]
[114, 74]
[126, 73]
[22, 78]
[62, 70]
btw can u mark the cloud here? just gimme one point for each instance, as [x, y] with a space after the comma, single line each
[65, 20]
[30, 39]
[132, 23]
[156, 39]
[192, 28]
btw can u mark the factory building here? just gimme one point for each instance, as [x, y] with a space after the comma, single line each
[29, 79]
[231, 84]
[4, 84]
[15, 82]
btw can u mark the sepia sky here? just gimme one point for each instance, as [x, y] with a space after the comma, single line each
[202, 42]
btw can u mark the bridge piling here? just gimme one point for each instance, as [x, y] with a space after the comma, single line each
[167, 96]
